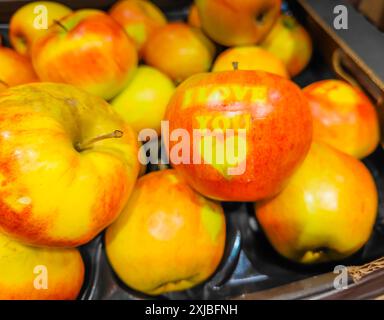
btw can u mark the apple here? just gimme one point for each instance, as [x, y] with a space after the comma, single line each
[248, 131]
[139, 18]
[250, 58]
[31, 273]
[289, 41]
[179, 51]
[326, 212]
[143, 102]
[68, 164]
[15, 69]
[22, 27]
[193, 17]
[343, 117]
[87, 49]
[168, 237]
[238, 23]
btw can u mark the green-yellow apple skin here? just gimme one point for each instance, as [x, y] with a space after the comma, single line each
[326, 212]
[168, 237]
[58, 186]
[142, 104]
[87, 49]
[22, 28]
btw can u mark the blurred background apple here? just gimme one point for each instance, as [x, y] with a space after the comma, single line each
[139, 18]
[344, 117]
[238, 23]
[87, 49]
[179, 51]
[23, 32]
[289, 41]
[250, 58]
[142, 104]
[15, 69]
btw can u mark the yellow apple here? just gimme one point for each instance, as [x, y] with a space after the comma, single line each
[139, 18]
[143, 102]
[24, 27]
[68, 164]
[168, 238]
[326, 212]
[31, 273]
[289, 41]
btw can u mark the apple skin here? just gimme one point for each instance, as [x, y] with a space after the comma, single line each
[168, 238]
[52, 194]
[238, 23]
[15, 69]
[179, 51]
[326, 212]
[142, 104]
[250, 58]
[289, 41]
[275, 114]
[22, 32]
[90, 50]
[139, 18]
[65, 269]
[193, 17]
[343, 117]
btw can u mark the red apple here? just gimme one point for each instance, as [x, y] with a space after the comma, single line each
[343, 117]
[87, 49]
[276, 133]
[15, 69]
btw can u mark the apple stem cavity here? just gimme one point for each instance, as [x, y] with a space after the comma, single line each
[81, 146]
[235, 65]
[61, 25]
[289, 22]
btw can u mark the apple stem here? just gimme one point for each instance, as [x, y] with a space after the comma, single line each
[81, 146]
[235, 65]
[4, 83]
[61, 25]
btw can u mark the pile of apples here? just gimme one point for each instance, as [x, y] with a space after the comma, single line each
[69, 160]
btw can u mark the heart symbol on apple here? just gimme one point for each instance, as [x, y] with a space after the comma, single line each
[226, 153]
